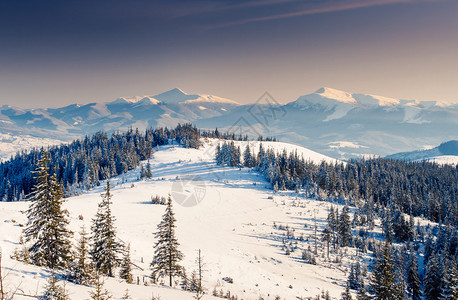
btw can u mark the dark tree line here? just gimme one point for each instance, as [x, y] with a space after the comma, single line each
[83, 163]
[232, 136]
[416, 188]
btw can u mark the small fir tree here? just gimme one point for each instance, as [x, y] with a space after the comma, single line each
[99, 293]
[105, 248]
[53, 291]
[166, 255]
[83, 270]
[126, 266]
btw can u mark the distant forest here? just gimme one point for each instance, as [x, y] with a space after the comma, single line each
[416, 188]
[81, 164]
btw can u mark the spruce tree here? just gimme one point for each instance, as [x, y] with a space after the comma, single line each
[346, 295]
[126, 266]
[82, 268]
[362, 292]
[166, 255]
[100, 293]
[449, 289]
[413, 281]
[384, 283]
[247, 157]
[47, 221]
[53, 291]
[433, 280]
[344, 227]
[105, 248]
[326, 236]
[148, 172]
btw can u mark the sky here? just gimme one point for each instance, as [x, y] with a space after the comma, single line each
[54, 53]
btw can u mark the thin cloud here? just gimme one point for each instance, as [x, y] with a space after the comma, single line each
[210, 7]
[312, 11]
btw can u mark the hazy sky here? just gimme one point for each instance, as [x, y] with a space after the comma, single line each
[54, 53]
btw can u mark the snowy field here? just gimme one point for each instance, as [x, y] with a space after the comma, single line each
[10, 144]
[235, 222]
[443, 159]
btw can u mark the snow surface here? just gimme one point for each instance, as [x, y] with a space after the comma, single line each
[177, 95]
[443, 159]
[232, 225]
[10, 144]
[345, 144]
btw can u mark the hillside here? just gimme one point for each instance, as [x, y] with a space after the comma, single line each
[445, 153]
[233, 225]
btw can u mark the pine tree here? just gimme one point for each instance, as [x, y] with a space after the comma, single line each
[355, 277]
[387, 225]
[47, 221]
[105, 248]
[148, 173]
[326, 236]
[449, 289]
[99, 293]
[53, 291]
[247, 157]
[346, 295]
[362, 292]
[384, 282]
[126, 295]
[199, 289]
[344, 227]
[433, 280]
[126, 266]
[82, 269]
[413, 281]
[166, 255]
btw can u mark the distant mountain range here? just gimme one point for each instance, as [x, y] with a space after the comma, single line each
[444, 153]
[330, 121]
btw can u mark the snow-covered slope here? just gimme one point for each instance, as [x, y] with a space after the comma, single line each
[445, 153]
[236, 224]
[11, 144]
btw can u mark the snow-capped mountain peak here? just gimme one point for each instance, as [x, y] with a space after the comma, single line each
[175, 95]
[337, 95]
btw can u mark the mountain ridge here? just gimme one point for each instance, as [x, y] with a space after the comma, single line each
[330, 121]
[447, 151]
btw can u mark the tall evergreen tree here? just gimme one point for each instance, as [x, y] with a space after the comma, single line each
[384, 283]
[413, 281]
[105, 248]
[344, 226]
[346, 295]
[166, 255]
[433, 280]
[362, 292]
[449, 289]
[326, 236]
[47, 221]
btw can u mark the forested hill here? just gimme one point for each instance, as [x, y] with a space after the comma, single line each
[83, 163]
[415, 188]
